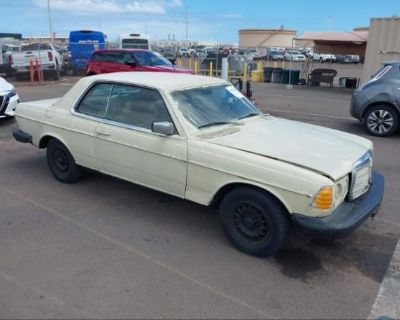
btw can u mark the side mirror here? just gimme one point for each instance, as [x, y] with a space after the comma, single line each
[130, 62]
[163, 127]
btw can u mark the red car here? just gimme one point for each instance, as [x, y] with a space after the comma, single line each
[117, 60]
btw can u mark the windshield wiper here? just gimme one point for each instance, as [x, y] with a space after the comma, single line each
[215, 123]
[252, 114]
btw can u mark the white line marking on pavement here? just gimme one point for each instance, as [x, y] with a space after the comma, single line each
[310, 114]
[66, 84]
[387, 302]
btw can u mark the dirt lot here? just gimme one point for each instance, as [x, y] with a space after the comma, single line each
[104, 248]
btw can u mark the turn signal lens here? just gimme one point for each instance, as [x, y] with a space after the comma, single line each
[324, 198]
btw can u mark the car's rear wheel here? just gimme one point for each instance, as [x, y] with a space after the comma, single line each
[381, 121]
[61, 162]
[254, 222]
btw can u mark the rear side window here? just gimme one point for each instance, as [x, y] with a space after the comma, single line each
[95, 101]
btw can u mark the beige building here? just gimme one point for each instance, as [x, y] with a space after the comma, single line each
[383, 44]
[252, 38]
[351, 42]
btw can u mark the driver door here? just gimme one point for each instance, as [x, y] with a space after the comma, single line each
[127, 148]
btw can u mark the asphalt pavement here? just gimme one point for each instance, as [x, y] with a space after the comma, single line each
[105, 248]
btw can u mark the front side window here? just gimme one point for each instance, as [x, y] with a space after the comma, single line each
[95, 101]
[125, 104]
[214, 105]
[136, 106]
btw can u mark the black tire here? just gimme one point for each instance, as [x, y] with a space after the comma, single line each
[254, 222]
[61, 163]
[56, 73]
[381, 121]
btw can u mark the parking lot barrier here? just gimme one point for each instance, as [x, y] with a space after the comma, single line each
[31, 72]
[196, 67]
[245, 72]
[210, 73]
[38, 69]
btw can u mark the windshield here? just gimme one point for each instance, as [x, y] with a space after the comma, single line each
[135, 43]
[35, 46]
[381, 72]
[148, 58]
[215, 105]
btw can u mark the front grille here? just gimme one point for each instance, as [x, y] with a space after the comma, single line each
[361, 177]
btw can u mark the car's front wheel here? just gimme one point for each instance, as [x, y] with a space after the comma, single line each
[61, 162]
[381, 121]
[254, 222]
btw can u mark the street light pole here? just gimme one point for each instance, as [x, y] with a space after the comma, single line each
[50, 27]
[187, 26]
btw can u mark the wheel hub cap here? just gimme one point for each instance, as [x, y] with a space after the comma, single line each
[60, 160]
[380, 121]
[250, 222]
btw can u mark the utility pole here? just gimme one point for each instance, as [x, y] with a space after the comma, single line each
[50, 27]
[187, 26]
[329, 23]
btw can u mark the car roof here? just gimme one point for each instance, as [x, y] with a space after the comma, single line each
[159, 80]
[121, 50]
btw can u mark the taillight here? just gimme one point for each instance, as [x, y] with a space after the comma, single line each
[50, 55]
[10, 60]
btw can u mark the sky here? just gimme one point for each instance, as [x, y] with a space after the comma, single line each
[217, 20]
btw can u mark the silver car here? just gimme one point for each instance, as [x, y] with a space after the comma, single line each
[377, 102]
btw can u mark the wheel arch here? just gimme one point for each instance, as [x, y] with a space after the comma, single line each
[45, 138]
[380, 103]
[225, 189]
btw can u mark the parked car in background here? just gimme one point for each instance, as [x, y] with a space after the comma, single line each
[198, 138]
[183, 52]
[82, 43]
[8, 99]
[340, 58]
[324, 57]
[376, 103]
[5, 64]
[352, 59]
[294, 56]
[5, 57]
[51, 61]
[274, 56]
[169, 53]
[117, 60]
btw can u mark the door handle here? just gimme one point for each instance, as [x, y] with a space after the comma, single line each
[102, 133]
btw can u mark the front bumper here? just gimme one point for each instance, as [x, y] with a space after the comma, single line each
[348, 216]
[8, 105]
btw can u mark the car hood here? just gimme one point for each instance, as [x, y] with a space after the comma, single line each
[5, 86]
[173, 69]
[326, 151]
